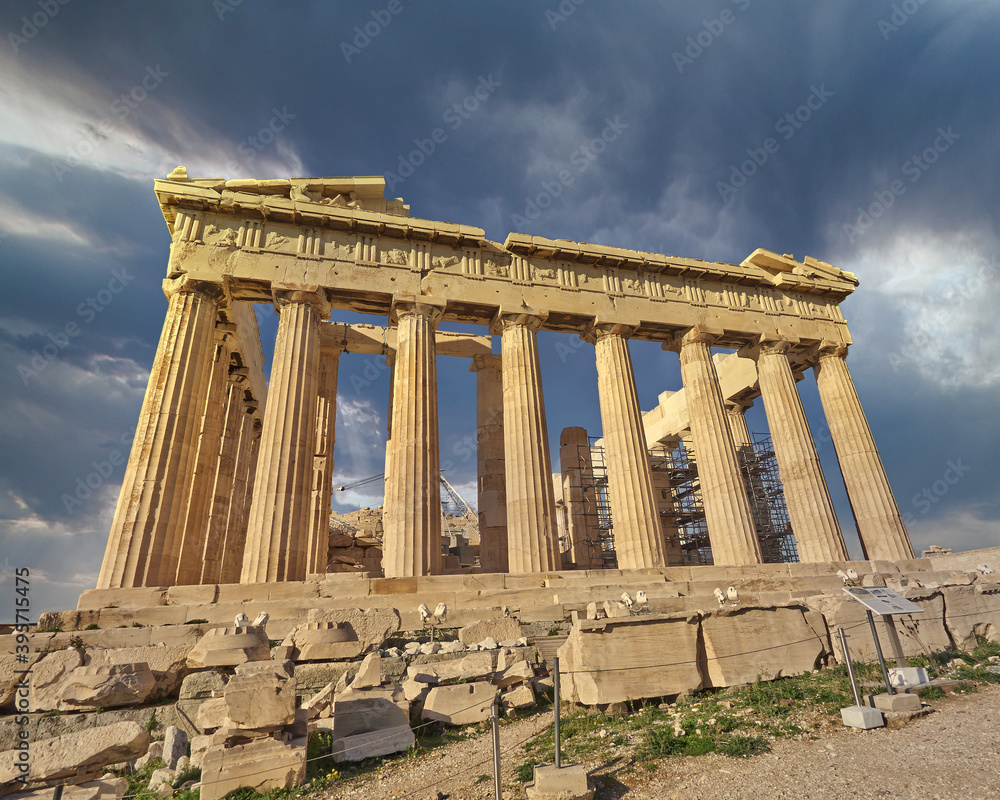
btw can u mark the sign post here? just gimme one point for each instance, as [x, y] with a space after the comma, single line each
[885, 602]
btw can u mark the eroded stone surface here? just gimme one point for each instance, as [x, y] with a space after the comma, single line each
[227, 647]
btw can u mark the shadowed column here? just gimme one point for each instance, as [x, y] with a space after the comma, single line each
[225, 477]
[532, 545]
[322, 490]
[238, 513]
[880, 525]
[727, 509]
[412, 508]
[810, 510]
[579, 491]
[190, 562]
[490, 463]
[145, 538]
[277, 533]
[635, 518]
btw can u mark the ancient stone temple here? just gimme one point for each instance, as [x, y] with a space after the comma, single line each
[229, 479]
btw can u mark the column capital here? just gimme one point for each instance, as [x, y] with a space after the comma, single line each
[825, 349]
[186, 284]
[284, 294]
[599, 330]
[482, 362]
[766, 344]
[699, 334]
[404, 305]
[531, 318]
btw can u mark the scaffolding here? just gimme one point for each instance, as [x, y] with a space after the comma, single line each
[682, 511]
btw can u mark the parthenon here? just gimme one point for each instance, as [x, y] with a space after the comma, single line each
[230, 475]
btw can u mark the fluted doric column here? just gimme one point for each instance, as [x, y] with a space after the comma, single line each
[635, 519]
[810, 509]
[579, 494]
[190, 562]
[322, 489]
[532, 545]
[144, 543]
[225, 476]
[880, 525]
[412, 508]
[736, 416]
[490, 463]
[238, 513]
[277, 532]
[727, 509]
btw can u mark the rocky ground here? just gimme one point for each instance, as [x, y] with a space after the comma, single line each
[951, 753]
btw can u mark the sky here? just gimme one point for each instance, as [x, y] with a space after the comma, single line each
[861, 133]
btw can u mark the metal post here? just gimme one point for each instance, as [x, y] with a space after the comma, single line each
[496, 748]
[878, 651]
[57, 794]
[850, 666]
[555, 686]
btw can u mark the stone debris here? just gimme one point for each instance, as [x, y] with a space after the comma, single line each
[369, 710]
[261, 764]
[463, 704]
[155, 751]
[521, 696]
[175, 746]
[227, 647]
[518, 672]
[323, 641]
[497, 629]
[87, 688]
[77, 754]
[369, 673]
[168, 663]
[47, 676]
[161, 781]
[260, 699]
[377, 743]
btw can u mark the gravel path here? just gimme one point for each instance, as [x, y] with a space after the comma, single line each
[952, 754]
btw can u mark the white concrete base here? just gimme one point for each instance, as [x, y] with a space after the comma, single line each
[862, 717]
[567, 783]
[907, 676]
[897, 702]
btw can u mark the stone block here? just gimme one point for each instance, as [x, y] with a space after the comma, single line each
[323, 641]
[972, 611]
[227, 647]
[470, 668]
[369, 674]
[519, 672]
[614, 609]
[212, 714]
[897, 702]
[498, 629]
[168, 664]
[463, 704]
[161, 781]
[11, 672]
[47, 676]
[383, 742]
[261, 764]
[87, 688]
[369, 710]
[907, 676]
[175, 746]
[371, 627]
[567, 783]
[778, 642]
[260, 699]
[66, 756]
[862, 717]
[660, 651]
[155, 751]
[202, 685]
[521, 696]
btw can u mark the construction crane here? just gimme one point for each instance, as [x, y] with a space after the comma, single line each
[470, 516]
[467, 512]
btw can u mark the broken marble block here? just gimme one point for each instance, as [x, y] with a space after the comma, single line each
[227, 647]
[87, 688]
[463, 704]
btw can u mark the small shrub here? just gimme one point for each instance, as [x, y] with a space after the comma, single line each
[93, 626]
[196, 622]
[740, 746]
[525, 772]
[137, 625]
[931, 693]
[151, 723]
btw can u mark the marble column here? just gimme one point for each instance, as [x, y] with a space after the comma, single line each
[322, 490]
[190, 562]
[238, 514]
[532, 545]
[412, 508]
[224, 484]
[635, 519]
[727, 509]
[144, 543]
[579, 493]
[736, 416]
[810, 509]
[879, 522]
[277, 531]
[490, 463]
